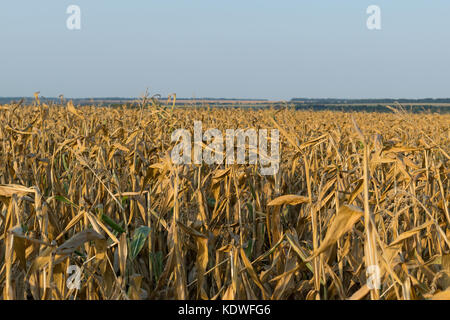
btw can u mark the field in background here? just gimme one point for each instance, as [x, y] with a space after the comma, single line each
[95, 188]
[441, 106]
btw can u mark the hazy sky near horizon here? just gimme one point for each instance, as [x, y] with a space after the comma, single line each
[231, 49]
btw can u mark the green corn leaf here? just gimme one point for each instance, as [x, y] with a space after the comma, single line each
[137, 243]
[112, 224]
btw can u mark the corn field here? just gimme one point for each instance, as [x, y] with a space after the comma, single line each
[93, 208]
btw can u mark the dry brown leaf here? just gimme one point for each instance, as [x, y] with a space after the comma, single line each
[443, 295]
[291, 199]
[410, 233]
[73, 110]
[8, 190]
[77, 240]
[347, 216]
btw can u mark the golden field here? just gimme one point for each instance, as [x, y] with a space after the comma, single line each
[94, 187]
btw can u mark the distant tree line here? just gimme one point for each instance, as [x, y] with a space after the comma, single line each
[368, 101]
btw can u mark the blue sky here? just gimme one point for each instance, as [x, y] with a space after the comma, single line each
[246, 49]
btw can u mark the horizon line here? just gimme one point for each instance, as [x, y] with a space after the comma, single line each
[221, 98]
